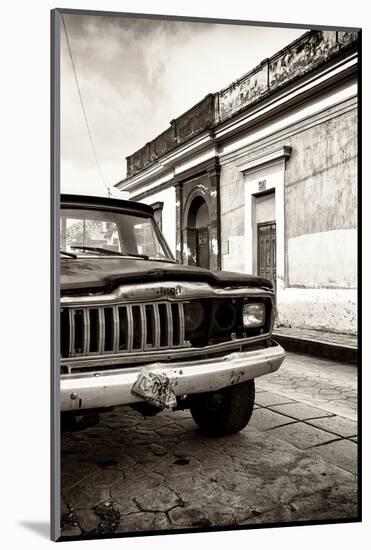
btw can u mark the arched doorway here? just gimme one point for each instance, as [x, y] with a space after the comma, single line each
[198, 232]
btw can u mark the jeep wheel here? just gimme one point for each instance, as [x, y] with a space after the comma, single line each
[224, 412]
[76, 423]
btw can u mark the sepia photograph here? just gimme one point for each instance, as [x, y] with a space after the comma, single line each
[206, 201]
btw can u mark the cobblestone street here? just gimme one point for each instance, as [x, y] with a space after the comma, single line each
[295, 461]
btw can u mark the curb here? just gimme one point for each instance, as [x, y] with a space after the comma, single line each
[318, 348]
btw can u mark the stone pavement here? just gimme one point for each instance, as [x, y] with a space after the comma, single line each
[295, 461]
[325, 384]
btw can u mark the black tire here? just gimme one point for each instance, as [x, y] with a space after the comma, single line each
[77, 423]
[225, 412]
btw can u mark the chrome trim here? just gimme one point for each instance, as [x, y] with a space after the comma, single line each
[170, 325]
[86, 341]
[157, 325]
[130, 329]
[157, 291]
[113, 388]
[138, 356]
[168, 303]
[143, 322]
[181, 324]
[101, 326]
[116, 327]
[71, 315]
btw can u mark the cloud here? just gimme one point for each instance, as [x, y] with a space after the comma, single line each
[88, 184]
[135, 75]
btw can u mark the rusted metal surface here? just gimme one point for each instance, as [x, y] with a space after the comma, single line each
[174, 291]
[155, 388]
[109, 273]
[120, 330]
[99, 362]
[298, 59]
[113, 388]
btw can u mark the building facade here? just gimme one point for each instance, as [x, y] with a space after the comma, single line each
[261, 178]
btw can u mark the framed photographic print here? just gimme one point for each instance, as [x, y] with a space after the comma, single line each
[205, 196]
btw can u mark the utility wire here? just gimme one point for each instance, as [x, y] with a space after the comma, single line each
[84, 112]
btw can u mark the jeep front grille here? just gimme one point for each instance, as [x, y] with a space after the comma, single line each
[100, 330]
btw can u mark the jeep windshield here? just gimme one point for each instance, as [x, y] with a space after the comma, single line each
[97, 233]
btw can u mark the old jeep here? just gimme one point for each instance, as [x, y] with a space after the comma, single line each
[139, 329]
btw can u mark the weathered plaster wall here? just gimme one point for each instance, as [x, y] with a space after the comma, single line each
[320, 224]
[327, 309]
[265, 208]
[323, 260]
[321, 205]
[321, 228]
[167, 196]
[232, 218]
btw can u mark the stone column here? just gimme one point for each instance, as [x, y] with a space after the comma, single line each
[214, 216]
[179, 221]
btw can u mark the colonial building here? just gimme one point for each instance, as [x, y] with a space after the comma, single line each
[261, 177]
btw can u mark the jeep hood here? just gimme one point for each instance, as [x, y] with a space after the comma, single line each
[105, 273]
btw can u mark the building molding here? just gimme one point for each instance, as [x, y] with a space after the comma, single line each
[313, 84]
[328, 113]
[168, 162]
[207, 142]
[275, 155]
[209, 166]
[311, 54]
[197, 191]
[290, 117]
[203, 182]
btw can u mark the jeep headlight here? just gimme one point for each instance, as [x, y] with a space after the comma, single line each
[253, 315]
[194, 315]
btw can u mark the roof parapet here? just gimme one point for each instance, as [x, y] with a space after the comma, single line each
[296, 60]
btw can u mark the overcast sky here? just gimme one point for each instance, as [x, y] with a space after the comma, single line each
[135, 76]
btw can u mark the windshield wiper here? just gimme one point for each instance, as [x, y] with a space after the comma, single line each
[108, 251]
[98, 249]
[166, 260]
[135, 255]
[69, 254]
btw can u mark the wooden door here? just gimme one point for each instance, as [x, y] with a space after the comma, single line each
[202, 247]
[267, 251]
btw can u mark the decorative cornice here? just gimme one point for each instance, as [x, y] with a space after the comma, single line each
[310, 52]
[207, 168]
[274, 155]
[163, 171]
[287, 132]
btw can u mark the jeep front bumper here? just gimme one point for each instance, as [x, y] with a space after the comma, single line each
[110, 388]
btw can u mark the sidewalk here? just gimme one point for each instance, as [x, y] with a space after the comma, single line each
[296, 461]
[327, 345]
